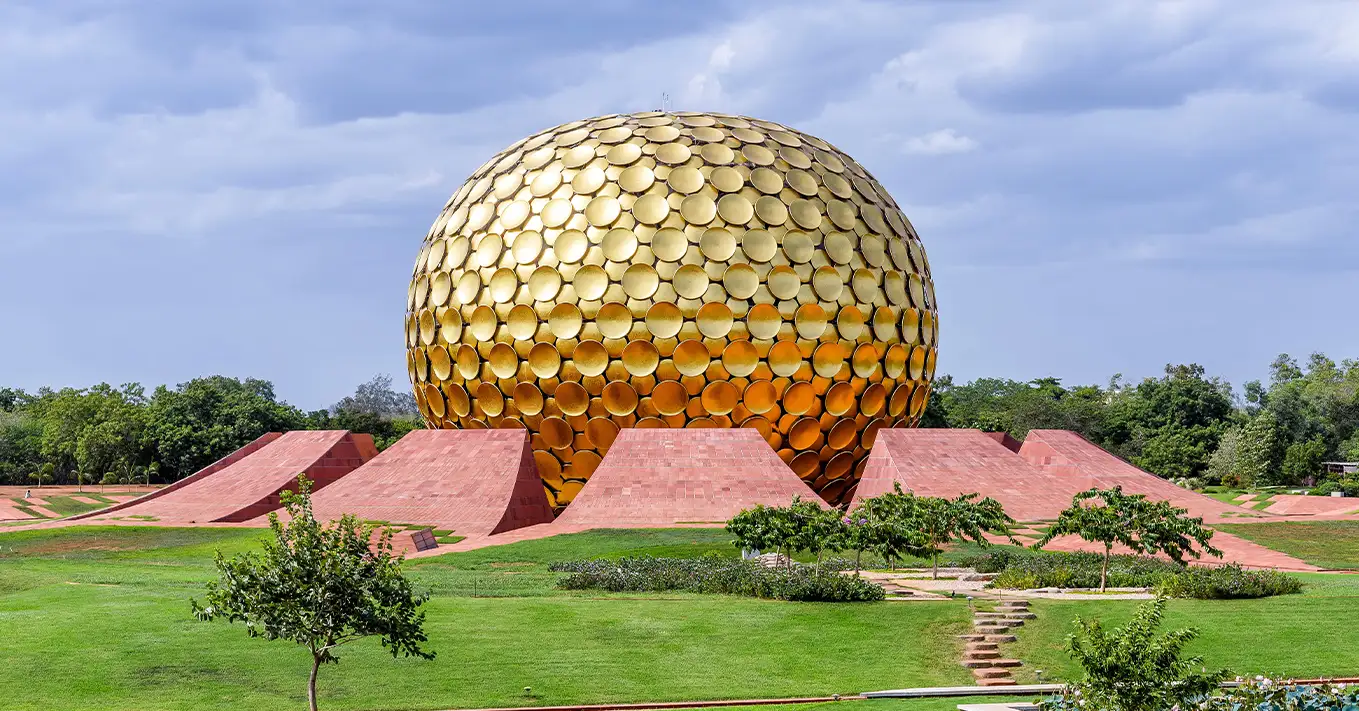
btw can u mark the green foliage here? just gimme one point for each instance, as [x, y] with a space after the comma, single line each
[1109, 516]
[1228, 582]
[883, 525]
[1260, 451]
[801, 526]
[942, 521]
[1304, 460]
[716, 574]
[205, 419]
[320, 586]
[1133, 668]
[1271, 695]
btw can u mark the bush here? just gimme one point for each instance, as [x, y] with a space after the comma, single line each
[716, 575]
[1325, 488]
[1023, 570]
[1026, 570]
[1229, 582]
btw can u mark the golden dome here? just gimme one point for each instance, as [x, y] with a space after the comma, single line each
[674, 270]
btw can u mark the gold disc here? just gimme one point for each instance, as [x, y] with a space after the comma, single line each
[840, 399]
[740, 358]
[503, 360]
[810, 321]
[740, 281]
[720, 397]
[690, 281]
[640, 358]
[714, 320]
[669, 398]
[640, 281]
[556, 432]
[664, 319]
[522, 322]
[799, 398]
[828, 359]
[784, 358]
[691, 358]
[490, 400]
[614, 320]
[620, 399]
[760, 397]
[528, 399]
[763, 321]
[544, 361]
[601, 431]
[783, 282]
[564, 321]
[590, 358]
[590, 282]
[572, 398]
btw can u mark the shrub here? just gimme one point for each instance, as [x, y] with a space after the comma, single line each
[717, 575]
[1325, 488]
[1269, 695]
[1229, 582]
[1133, 667]
[1070, 570]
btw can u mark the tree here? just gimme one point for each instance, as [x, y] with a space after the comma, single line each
[20, 446]
[378, 397]
[1132, 668]
[1224, 462]
[1260, 451]
[320, 586]
[941, 521]
[1303, 460]
[882, 524]
[205, 419]
[1109, 516]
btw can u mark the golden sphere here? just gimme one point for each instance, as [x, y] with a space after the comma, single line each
[674, 270]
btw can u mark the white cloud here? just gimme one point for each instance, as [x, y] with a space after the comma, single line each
[941, 142]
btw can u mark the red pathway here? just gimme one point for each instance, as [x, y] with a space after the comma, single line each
[250, 486]
[474, 482]
[1297, 504]
[662, 477]
[947, 463]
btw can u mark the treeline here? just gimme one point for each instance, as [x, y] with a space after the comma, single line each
[122, 435]
[1184, 425]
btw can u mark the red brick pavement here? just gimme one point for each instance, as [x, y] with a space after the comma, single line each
[250, 486]
[1079, 460]
[1297, 504]
[194, 478]
[475, 482]
[940, 462]
[660, 477]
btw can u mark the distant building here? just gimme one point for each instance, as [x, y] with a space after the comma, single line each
[1341, 467]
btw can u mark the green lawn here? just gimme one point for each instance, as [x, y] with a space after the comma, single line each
[1328, 544]
[1311, 634]
[99, 618]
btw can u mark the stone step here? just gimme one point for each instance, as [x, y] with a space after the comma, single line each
[1006, 663]
[999, 623]
[1020, 616]
[981, 646]
[1000, 638]
[978, 663]
[982, 654]
[991, 673]
[1020, 604]
[996, 682]
[972, 637]
[989, 615]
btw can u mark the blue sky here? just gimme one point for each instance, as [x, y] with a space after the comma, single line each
[193, 187]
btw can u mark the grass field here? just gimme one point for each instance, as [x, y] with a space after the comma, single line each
[99, 618]
[1292, 635]
[1328, 544]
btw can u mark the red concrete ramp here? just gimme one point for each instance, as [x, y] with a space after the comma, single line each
[250, 486]
[1069, 455]
[475, 482]
[194, 478]
[948, 463]
[662, 477]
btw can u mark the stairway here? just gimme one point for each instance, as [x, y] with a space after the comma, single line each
[981, 652]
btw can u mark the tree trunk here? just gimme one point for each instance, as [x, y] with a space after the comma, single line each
[1104, 569]
[936, 566]
[858, 555]
[311, 683]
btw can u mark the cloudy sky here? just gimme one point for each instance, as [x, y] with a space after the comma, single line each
[191, 187]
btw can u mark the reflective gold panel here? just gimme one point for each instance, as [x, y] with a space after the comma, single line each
[674, 270]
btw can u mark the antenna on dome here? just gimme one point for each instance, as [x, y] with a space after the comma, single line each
[665, 102]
